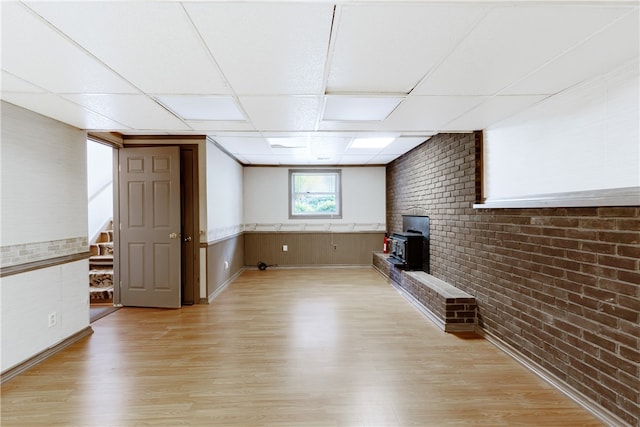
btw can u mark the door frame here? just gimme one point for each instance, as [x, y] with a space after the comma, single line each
[184, 143]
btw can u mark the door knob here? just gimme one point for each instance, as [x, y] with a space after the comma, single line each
[173, 235]
[187, 239]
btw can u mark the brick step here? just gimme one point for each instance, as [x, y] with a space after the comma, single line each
[449, 307]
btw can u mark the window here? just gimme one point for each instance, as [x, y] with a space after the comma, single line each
[314, 193]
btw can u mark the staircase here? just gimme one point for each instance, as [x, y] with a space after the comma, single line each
[101, 268]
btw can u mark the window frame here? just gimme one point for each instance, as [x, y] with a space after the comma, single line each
[316, 215]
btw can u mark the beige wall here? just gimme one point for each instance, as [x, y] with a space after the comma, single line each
[224, 260]
[311, 248]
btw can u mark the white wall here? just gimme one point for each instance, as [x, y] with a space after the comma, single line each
[584, 139]
[224, 183]
[44, 178]
[99, 186]
[44, 215]
[266, 201]
[27, 301]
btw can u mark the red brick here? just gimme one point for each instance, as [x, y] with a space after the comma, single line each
[628, 224]
[620, 363]
[582, 256]
[620, 312]
[521, 264]
[583, 279]
[629, 251]
[622, 237]
[618, 212]
[581, 234]
[630, 354]
[629, 276]
[629, 302]
[617, 262]
[598, 224]
[598, 247]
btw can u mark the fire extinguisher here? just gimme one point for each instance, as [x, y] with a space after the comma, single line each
[386, 243]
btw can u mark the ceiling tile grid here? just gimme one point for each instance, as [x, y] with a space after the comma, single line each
[325, 73]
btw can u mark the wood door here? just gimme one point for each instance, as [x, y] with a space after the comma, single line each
[150, 240]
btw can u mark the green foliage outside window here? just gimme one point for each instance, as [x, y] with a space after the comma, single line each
[315, 193]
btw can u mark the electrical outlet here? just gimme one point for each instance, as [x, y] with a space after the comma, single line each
[226, 265]
[53, 319]
[285, 248]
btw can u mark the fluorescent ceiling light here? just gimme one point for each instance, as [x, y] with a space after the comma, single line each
[359, 108]
[196, 107]
[372, 142]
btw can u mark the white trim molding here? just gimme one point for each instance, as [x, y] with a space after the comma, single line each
[629, 196]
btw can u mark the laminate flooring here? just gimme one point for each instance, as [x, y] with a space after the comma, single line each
[285, 347]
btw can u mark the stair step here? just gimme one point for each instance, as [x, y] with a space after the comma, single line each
[105, 261]
[101, 294]
[105, 236]
[101, 267]
[100, 279]
[105, 248]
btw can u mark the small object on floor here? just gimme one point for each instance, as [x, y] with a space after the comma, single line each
[263, 266]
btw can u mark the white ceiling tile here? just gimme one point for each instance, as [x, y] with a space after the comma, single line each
[390, 47]
[11, 83]
[258, 159]
[512, 41]
[63, 110]
[217, 126]
[383, 159]
[492, 111]
[244, 145]
[155, 45]
[403, 144]
[359, 108]
[136, 111]
[593, 57]
[274, 48]
[36, 53]
[197, 107]
[274, 113]
[355, 159]
[430, 112]
[328, 146]
[363, 126]
[72, 64]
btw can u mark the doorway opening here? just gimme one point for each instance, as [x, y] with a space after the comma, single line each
[100, 228]
[102, 171]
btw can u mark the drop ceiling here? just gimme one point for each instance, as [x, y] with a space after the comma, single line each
[310, 77]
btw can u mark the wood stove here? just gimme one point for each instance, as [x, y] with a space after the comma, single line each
[409, 249]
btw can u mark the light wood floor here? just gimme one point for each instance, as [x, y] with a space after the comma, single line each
[308, 347]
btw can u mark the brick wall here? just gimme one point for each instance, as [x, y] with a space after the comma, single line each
[559, 285]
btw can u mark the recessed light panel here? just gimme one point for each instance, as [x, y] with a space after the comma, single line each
[359, 108]
[195, 107]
